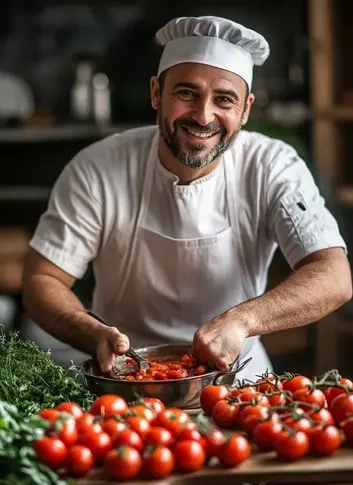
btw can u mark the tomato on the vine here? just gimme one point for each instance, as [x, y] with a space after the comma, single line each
[189, 455]
[80, 460]
[310, 396]
[251, 415]
[334, 391]
[214, 438]
[49, 414]
[70, 408]
[129, 437]
[291, 445]
[158, 436]
[88, 422]
[173, 419]
[324, 440]
[123, 463]
[225, 413]
[342, 407]
[98, 443]
[297, 422]
[108, 405]
[236, 391]
[210, 395]
[138, 424]
[113, 426]
[257, 398]
[142, 411]
[269, 384]
[295, 383]
[51, 451]
[265, 433]
[347, 427]
[65, 430]
[321, 416]
[155, 404]
[234, 451]
[159, 462]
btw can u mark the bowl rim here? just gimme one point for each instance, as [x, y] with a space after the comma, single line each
[154, 381]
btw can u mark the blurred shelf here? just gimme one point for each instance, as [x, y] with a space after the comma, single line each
[61, 132]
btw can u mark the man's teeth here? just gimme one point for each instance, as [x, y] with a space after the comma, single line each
[200, 134]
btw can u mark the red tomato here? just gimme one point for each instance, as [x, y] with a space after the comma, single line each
[108, 405]
[142, 411]
[298, 423]
[214, 438]
[159, 463]
[342, 407]
[310, 397]
[269, 384]
[123, 463]
[277, 399]
[173, 419]
[291, 446]
[348, 429]
[49, 414]
[65, 430]
[225, 414]
[193, 435]
[159, 436]
[80, 460]
[324, 440]
[129, 437]
[250, 398]
[210, 395]
[332, 392]
[88, 422]
[234, 451]
[70, 408]
[113, 426]
[155, 404]
[265, 433]
[138, 424]
[322, 416]
[51, 451]
[236, 391]
[251, 415]
[296, 383]
[98, 443]
[189, 455]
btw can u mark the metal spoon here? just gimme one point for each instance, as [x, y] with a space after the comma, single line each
[123, 367]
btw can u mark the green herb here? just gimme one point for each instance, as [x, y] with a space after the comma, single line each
[18, 464]
[31, 380]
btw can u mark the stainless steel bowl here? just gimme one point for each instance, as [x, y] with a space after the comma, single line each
[182, 393]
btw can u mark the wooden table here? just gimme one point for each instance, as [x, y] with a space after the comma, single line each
[261, 467]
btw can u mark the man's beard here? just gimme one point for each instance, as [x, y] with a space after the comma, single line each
[196, 156]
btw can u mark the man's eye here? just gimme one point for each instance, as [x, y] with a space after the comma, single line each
[224, 100]
[185, 93]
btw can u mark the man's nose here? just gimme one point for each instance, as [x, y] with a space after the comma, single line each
[203, 113]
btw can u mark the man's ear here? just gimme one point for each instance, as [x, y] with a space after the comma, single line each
[247, 107]
[155, 91]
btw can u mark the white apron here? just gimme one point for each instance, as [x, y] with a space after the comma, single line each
[173, 286]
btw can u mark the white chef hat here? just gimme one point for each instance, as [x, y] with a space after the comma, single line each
[213, 41]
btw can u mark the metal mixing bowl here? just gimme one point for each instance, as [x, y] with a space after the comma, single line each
[182, 393]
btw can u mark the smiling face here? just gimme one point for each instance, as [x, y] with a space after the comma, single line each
[200, 111]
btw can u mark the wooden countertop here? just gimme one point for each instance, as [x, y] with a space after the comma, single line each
[261, 467]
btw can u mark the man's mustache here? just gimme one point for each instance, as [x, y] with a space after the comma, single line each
[193, 125]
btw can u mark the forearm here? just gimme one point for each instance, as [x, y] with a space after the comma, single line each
[58, 311]
[312, 292]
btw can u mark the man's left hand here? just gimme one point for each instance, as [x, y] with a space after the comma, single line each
[219, 341]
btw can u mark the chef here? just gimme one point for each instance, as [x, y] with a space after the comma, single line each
[181, 220]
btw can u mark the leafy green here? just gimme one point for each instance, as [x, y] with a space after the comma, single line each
[18, 464]
[31, 380]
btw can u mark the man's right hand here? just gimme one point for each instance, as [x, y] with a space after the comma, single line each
[111, 343]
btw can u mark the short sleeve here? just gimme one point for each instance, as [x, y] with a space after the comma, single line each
[297, 216]
[69, 232]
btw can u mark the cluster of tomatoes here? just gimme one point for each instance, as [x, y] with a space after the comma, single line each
[291, 416]
[143, 438]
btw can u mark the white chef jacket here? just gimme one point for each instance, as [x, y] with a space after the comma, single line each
[94, 208]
